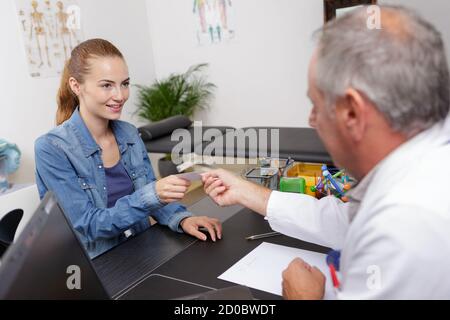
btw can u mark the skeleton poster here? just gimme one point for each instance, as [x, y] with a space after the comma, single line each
[214, 21]
[50, 29]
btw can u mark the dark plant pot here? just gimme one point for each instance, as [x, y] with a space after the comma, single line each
[166, 168]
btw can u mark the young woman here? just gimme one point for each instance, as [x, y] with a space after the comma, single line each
[97, 166]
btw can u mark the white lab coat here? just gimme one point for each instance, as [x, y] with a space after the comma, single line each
[397, 245]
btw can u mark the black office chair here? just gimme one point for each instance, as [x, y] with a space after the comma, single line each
[8, 228]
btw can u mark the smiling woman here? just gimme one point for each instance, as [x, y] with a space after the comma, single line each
[97, 165]
[87, 64]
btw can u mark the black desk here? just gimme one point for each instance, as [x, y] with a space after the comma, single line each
[132, 261]
[185, 258]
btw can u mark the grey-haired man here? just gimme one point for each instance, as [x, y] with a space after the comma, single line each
[381, 102]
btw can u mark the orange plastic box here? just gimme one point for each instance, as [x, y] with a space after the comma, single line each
[311, 172]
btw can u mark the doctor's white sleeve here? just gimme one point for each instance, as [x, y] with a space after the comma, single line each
[324, 222]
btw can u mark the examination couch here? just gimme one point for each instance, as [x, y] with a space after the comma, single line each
[301, 144]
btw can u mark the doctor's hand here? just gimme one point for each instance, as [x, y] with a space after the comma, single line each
[303, 282]
[191, 226]
[226, 189]
[172, 189]
[223, 187]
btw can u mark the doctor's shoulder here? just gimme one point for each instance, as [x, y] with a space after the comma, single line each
[423, 183]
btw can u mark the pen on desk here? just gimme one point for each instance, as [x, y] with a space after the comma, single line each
[264, 235]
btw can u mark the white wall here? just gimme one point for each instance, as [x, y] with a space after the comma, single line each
[261, 75]
[28, 106]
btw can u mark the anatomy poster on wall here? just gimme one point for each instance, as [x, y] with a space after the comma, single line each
[214, 19]
[50, 29]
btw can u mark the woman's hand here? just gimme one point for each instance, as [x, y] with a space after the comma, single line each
[191, 226]
[172, 189]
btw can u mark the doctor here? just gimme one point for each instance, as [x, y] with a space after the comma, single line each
[380, 104]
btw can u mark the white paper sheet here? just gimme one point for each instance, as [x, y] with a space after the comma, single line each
[261, 269]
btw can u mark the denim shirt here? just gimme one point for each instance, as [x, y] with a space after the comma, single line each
[69, 164]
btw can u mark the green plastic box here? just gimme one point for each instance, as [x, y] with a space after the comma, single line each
[293, 185]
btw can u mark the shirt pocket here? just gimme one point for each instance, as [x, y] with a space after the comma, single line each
[139, 176]
[91, 190]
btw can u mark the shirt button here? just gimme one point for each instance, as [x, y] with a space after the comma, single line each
[104, 188]
[128, 233]
[100, 167]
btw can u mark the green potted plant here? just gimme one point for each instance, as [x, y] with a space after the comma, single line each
[178, 94]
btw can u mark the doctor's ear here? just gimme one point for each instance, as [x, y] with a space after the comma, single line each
[352, 113]
[74, 86]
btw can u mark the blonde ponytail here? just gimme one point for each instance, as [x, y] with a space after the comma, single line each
[67, 100]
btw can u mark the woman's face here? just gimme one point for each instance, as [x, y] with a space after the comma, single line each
[105, 89]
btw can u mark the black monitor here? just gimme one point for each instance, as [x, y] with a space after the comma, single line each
[48, 261]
